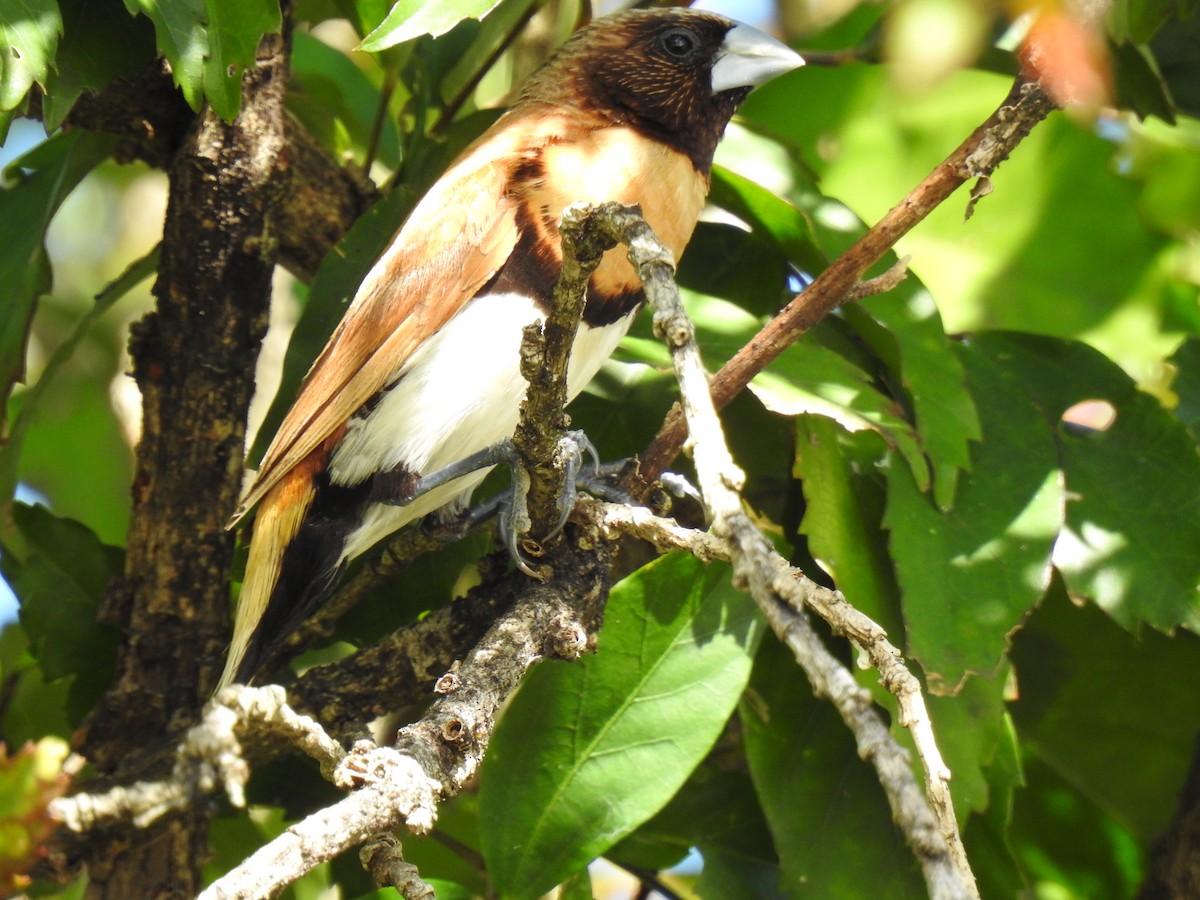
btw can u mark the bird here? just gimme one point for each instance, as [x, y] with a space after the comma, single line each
[423, 369]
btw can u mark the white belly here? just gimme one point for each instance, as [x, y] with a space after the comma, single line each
[459, 393]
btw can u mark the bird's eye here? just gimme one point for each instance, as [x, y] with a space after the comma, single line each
[679, 43]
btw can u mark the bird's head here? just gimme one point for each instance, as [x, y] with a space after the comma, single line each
[676, 74]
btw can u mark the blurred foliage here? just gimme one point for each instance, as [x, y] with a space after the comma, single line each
[997, 461]
[29, 779]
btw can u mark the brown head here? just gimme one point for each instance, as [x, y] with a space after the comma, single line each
[676, 75]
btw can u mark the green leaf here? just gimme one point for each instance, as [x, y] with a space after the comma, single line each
[338, 103]
[986, 836]
[31, 401]
[589, 751]
[727, 262]
[59, 585]
[1096, 700]
[842, 521]
[495, 33]
[29, 33]
[716, 808]
[209, 43]
[412, 18]
[1062, 838]
[971, 574]
[810, 378]
[1136, 21]
[26, 209]
[977, 743]
[1186, 364]
[34, 707]
[730, 875]
[1139, 86]
[769, 214]
[1031, 257]
[823, 802]
[577, 887]
[1133, 515]
[931, 372]
[99, 43]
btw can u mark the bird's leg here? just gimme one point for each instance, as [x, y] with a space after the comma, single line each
[402, 487]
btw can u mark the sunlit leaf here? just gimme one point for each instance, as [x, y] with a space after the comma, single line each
[413, 18]
[969, 575]
[209, 43]
[1133, 490]
[674, 654]
[29, 34]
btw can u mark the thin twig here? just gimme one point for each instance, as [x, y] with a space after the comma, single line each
[209, 756]
[977, 157]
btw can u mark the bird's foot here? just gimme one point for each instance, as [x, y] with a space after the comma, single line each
[510, 506]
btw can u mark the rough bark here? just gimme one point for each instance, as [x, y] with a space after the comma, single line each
[194, 358]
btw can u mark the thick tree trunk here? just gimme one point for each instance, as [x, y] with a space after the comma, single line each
[194, 359]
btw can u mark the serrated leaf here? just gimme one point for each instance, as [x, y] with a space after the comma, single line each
[1133, 516]
[823, 803]
[566, 774]
[26, 209]
[931, 372]
[209, 43]
[99, 43]
[969, 575]
[810, 378]
[412, 18]
[1139, 86]
[29, 33]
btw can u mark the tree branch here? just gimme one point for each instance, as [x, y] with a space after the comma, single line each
[194, 363]
[322, 201]
[756, 566]
[434, 758]
[977, 157]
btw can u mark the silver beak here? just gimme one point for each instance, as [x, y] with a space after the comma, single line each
[750, 58]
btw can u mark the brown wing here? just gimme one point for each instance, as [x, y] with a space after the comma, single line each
[454, 241]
